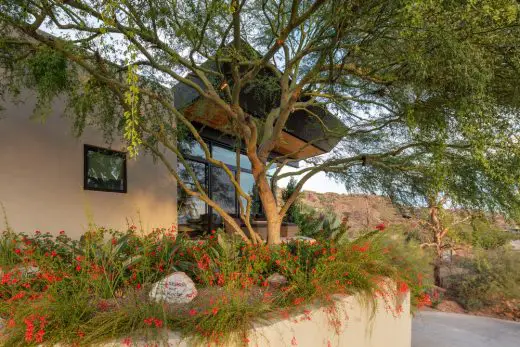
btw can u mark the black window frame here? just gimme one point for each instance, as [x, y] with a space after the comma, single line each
[87, 148]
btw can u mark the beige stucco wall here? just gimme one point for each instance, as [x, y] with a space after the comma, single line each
[41, 178]
[357, 328]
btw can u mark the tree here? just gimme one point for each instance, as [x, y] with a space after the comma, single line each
[455, 178]
[379, 66]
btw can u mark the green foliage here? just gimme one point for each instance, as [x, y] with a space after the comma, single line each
[489, 278]
[286, 193]
[318, 225]
[480, 233]
[48, 74]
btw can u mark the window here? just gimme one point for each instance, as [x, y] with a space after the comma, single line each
[194, 214]
[104, 170]
[191, 209]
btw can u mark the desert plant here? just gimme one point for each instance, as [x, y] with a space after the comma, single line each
[490, 277]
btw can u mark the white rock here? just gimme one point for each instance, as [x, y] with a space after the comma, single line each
[276, 280]
[177, 288]
[310, 240]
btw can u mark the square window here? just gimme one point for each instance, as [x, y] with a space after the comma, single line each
[104, 170]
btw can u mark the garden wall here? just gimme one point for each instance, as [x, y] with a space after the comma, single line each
[314, 329]
[41, 178]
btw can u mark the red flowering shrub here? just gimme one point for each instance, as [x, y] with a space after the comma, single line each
[56, 288]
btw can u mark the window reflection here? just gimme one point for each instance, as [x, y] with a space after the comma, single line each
[222, 190]
[191, 147]
[104, 169]
[247, 183]
[229, 157]
[191, 210]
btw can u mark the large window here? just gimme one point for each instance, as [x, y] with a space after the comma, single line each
[194, 212]
[104, 170]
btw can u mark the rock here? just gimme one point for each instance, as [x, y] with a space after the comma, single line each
[177, 288]
[30, 270]
[310, 240]
[276, 280]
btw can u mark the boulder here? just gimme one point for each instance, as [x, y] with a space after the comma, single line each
[276, 280]
[176, 288]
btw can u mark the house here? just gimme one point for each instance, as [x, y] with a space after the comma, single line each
[52, 181]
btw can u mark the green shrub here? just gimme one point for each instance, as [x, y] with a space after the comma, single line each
[482, 233]
[487, 279]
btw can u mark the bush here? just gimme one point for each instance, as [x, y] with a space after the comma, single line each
[93, 290]
[489, 278]
[481, 233]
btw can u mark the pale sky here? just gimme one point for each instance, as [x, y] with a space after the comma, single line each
[319, 183]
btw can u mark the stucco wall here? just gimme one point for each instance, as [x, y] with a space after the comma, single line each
[357, 328]
[41, 178]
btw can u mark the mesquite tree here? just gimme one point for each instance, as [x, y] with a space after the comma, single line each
[454, 178]
[381, 67]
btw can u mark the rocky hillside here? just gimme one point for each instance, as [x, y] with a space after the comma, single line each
[361, 211]
[366, 211]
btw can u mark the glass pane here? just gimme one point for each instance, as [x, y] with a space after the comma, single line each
[191, 147]
[247, 182]
[271, 170]
[105, 169]
[229, 157]
[191, 210]
[222, 190]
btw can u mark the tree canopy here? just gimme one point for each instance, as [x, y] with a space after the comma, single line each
[405, 78]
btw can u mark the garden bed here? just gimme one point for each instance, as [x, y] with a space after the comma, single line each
[57, 290]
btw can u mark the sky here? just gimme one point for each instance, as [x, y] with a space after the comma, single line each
[319, 183]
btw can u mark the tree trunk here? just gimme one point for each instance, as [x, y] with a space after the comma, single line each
[437, 272]
[274, 221]
[273, 232]
[438, 233]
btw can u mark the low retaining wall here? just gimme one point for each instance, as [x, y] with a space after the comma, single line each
[317, 328]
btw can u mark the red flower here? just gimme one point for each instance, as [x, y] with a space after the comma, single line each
[39, 336]
[381, 227]
[18, 251]
[62, 232]
[54, 254]
[11, 323]
[81, 334]
[138, 286]
[37, 232]
[298, 301]
[294, 342]
[402, 287]
[214, 310]
[424, 300]
[127, 341]
[193, 312]
[153, 321]
[78, 268]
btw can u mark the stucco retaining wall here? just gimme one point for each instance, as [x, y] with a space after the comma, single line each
[358, 328]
